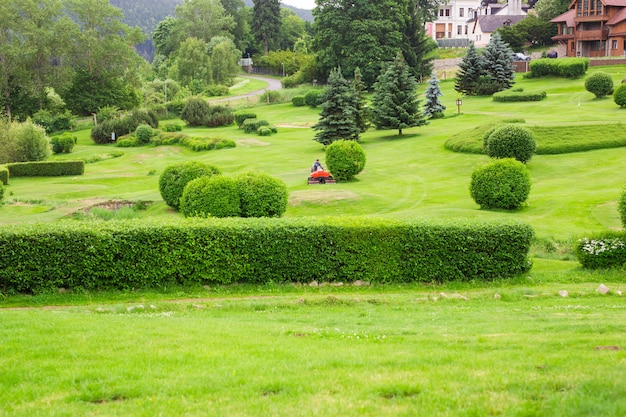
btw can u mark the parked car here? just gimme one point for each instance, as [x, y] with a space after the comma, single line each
[552, 54]
[518, 56]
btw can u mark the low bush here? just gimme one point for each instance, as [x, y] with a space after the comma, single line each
[172, 127]
[501, 184]
[1, 191]
[219, 116]
[511, 141]
[175, 177]
[345, 159]
[509, 96]
[270, 97]
[560, 67]
[63, 143]
[313, 97]
[298, 101]
[600, 84]
[168, 138]
[4, 175]
[242, 117]
[133, 254]
[207, 144]
[46, 168]
[264, 131]
[253, 125]
[261, 195]
[143, 133]
[216, 90]
[103, 132]
[215, 196]
[606, 250]
[619, 96]
[621, 207]
[128, 142]
[54, 122]
[195, 112]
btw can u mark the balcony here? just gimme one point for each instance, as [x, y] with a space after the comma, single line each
[592, 35]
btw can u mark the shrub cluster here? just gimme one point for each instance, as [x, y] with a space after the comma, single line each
[216, 90]
[600, 84]
[172, 127]
[128, 142]
[175, 177]
[195, 111]
[194, 143]
[215, 196]
[148, 254]
[345, 159]
[253, 125]
[619, 96]
[102, 133]
[242, 117]
[500, 184]
[298, 101]
[560, 67]
[510, 141]
[46, 169]
[606, 250]
[144, 133]
[63, 143]
[313, 98]
[509, 96]
[54, 122]
[219, 116]
[270, 97]
[4, 175]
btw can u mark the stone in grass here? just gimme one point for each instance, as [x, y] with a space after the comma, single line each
[563, 293]
[313, 284]
[497, 296]
[602, 289]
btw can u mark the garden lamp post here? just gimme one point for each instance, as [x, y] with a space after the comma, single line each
[458, 105]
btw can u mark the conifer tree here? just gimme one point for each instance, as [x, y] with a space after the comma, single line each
[363, 112]
[395, 101]
[433, 107]
[470, 71]
[498, 63]
[339, 110]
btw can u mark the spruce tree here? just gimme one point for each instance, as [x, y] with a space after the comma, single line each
[469, 73]
[395, 102]
[498, 63]
[433, 107]
[363, 112]
[339, 111]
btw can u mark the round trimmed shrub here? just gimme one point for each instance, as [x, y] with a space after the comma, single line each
[195, 112]
[63, 143]
[511, 141]
[215, 196]
[143, 133]
[345, 159]
[175, 177]
[486, 138]
[261, 195]
[312, 98]
[600, 84]
[619, 96]
[503, 184]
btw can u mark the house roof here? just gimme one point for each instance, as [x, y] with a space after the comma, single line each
[567, 17]
[489, 23]
[614, 3]
[617, 17]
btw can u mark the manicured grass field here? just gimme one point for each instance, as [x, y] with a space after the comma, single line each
[505, 348]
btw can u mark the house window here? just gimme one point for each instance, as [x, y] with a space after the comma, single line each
[447, 12]
[459, 29]
[440, 12]
[466, 29]
[461, 12]
[614, 44]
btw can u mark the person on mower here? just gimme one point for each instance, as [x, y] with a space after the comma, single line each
[317, 166]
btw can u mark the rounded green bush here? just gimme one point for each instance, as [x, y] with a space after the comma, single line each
[143, 133]
[175, 177]
[486, 138]
[195, 112]
[619, 96]
[621, 207]
[63, 143]
[600, 84]
[503, 183]
[215, 196]
[1, 191]
[261, 195]
[312, 98]
[345, 159]
[511, 141]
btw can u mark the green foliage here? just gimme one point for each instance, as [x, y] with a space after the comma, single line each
[172, 127]
[63, 143]
[433, 107]
[363, 112]
[500, 184]
[621, 207]
[4, 175]
[175, 177]
[498, 66]
[92, 90]
[241, 117]
[395, 101]
[207, 144]
[604, 250]
[298, 101]
[261, 195]
[560, 67]
[339, 111]
[107, 113]
[144, 133]
[509, 96]
[54, 122]
[195, 112]
[345, 159]
[619, 96]
[511, 141]
[469, 73]
[313, 98]
[46, 169]
[137, 254]
[264, 131]
[102, 133]
[22, 142]
[128, 142]
[216, 90]
[270, 96]
[600, 84]
[215, 196]
[253, 125]
[219, 116]
[266, 22]
[1, 191]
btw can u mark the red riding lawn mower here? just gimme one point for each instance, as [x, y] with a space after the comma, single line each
[321, 176]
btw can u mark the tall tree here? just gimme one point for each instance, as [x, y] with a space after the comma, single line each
[469, 73]
[339, 111]
[292, 28]
[266, 22]
[416, 44]
[363, 113]
[498, 62]
[395, 101]
[202, 19]
[433, 107]
[549, 9]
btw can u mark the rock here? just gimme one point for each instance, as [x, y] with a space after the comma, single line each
[336, 284]
[619, 292]
[153, 307]
[602, 289]
[358, 283]
[198, 306]
[459, 297]
[130, 309]
[443, 295]
[563, 293]
[497, 296]
[313, 284]
[62, 290]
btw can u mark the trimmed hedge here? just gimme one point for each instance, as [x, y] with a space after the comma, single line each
[242, 117]
[509, 96]
[606, 250]
[500, 184]
[46, 168]
[1, 191]
[253, 125]
[149, 254]
[561, 67]
[215, 196]
[345, 159]
[63, 143]
[599, 84]
[175, 177]
[4, 175]
[261, 195]
[510, 141]
[619, 96]
[298, 101]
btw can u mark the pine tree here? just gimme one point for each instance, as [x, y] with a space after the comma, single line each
[363, 112]
[469, 73]
[498, 63]
[395, 101]
[266, 22]
[339, 110]
[433, 107]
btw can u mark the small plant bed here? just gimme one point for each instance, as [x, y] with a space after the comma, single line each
[112, 210]
[192, 142]
[551, 140]
[517, 95]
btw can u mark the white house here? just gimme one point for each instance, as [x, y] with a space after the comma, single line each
[453, 21]
[490, 17]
